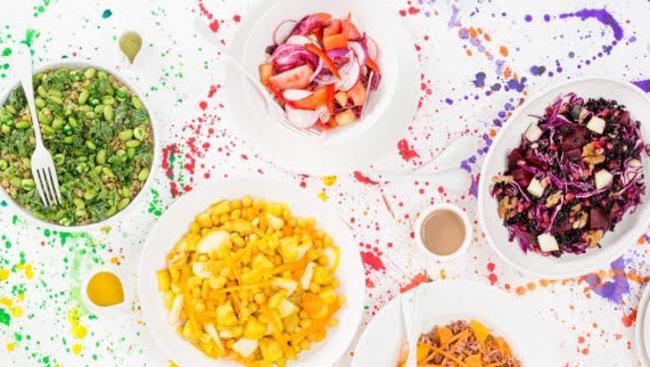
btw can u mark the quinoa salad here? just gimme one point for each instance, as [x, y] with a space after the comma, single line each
[100, 137]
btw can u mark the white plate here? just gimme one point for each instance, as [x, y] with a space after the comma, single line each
[390, 109]
[641, 331]
[614, 244]
[175, 222]
[447, 301]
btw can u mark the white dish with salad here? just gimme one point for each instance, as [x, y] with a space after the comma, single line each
[336, 70]
[567, 178]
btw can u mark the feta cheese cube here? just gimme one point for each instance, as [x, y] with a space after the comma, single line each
[603, 179]
[535, 188]
[547, 243]
[533, 133]
[596, 124]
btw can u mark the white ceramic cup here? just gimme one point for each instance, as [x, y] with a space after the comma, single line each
[466, 223]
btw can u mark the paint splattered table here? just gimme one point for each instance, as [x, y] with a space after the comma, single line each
[479, 62]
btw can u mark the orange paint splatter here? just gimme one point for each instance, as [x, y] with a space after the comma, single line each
[628, 320]
[487, 37]
[415, 281]
[520, 291]
[503, 50]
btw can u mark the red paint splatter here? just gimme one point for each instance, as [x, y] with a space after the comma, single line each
[406, 151]
[413, 10]
[214, 26]
[213, 90]
[372, 260]
[204, 10]
[169, 155]
[370, 284]
[493, 279]
[364, 179]
[237, 18]
[491, 266]
[415, 281]
[628, 320]
[203, 105]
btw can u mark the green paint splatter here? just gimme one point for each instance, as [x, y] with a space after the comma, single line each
[40, 9]
[30, 35]
[155, 205]
[6, 52]
[107, 13]
[5, 318]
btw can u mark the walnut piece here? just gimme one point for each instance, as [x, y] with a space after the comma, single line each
[593, 237]
[554, 199]
[502, 179]
[506, 207]
[593, 155]
[581, 220]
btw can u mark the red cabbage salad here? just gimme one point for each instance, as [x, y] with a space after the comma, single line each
[321, 70]
[577, 171]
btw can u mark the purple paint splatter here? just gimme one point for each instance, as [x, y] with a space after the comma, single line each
[602, 15]
[615, 289]
[479, 82]
[643, 84]
[537, 70]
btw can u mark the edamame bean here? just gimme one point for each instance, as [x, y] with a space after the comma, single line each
[58, 159]
[22, 125]
[41, 91]
[139, 133]
[90, 194]
[27, 184]
[130, 152]
[90, 73]
[100, 158]
[108, 113]
[144, 173]
[39, 102]
[137, 103]
[73, 122]
[102, 75]
[132, 144]
[3, 164]
[83, 97]
[90, 145]
[78, 203]
[126, 135]
[123, 203]
[57, 122]
[108, 100]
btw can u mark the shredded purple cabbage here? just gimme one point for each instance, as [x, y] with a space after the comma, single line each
[564, 160]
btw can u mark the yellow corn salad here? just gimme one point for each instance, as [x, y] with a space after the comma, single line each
[252, 283]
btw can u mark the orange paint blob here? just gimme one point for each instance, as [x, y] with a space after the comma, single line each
[503, 50]
[105, 289]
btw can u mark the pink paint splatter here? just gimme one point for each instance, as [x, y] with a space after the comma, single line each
[406, 151]
[214, 26]
[203, 105]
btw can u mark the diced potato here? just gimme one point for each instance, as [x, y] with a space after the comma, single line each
[164, 280]
[345, 118]
[341, 98]
[245, 347]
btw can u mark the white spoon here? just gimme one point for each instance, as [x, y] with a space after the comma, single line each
[410, 311]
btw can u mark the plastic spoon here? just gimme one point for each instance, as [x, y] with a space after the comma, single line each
[410, 311]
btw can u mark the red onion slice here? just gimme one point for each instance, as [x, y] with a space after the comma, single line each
[359, 52]
[373, 49]
[318, 70]
[302, 119]
[283, 30]
[296, 94]
[350, 77]
[298, 40]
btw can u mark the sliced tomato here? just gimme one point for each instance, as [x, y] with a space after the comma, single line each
[373, 65]
[335, 41]
[297, 78]
[326, 59]
[333, 28]
[323, 17]
[358, 94]
[353, 32]
[321, 97]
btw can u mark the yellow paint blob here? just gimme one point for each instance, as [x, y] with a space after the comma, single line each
[76, 329]
[77, 348]
[11, 346]
[4, 274]
[105, 289]
[329, 180]
[322, 195]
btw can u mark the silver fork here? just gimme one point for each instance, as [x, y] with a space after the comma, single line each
[272, 106]
[43, 171]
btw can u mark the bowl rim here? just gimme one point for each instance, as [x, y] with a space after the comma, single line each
[110, 221]
[483, 195]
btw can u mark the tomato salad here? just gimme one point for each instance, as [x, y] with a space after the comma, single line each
[321, 70]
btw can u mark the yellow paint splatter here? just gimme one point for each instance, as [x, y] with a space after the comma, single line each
[172, 364]
[16, 311]
[4, 274]
[322, 195]
[443, 274]
[29, 271]
[329, 180]
[11, 346]
[78, 331]
[77, 348]
[7, 302]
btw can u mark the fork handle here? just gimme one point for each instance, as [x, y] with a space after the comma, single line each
[23, 64]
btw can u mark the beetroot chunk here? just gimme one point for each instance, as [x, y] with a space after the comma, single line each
[598, 219]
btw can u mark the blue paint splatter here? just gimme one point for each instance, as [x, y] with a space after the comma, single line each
[518, 85]
[612, 290]
[528, 18]
[107, 13]
[602, 15]
[479, 82]
[537, 70]
[547, 18]
[449, 101]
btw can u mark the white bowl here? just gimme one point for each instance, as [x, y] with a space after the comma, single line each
[175, 222]
[615, 243]
[154, 163]
[390, 109]
[447, 301]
